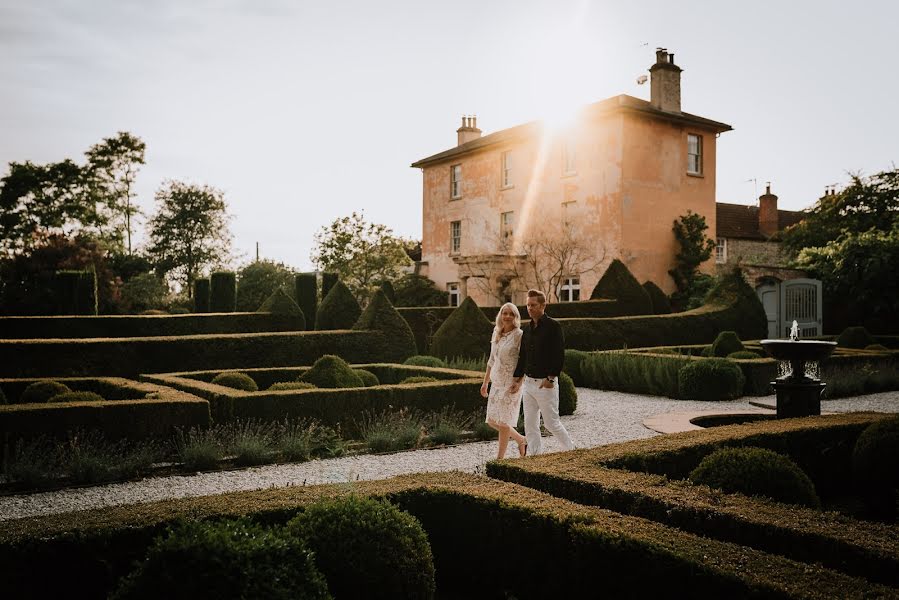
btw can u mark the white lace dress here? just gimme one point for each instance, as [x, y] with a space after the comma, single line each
[503, 407]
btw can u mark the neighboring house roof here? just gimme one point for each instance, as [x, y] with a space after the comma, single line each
[620, 103]
[741, 221]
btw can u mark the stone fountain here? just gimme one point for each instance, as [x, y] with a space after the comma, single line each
[798, 393]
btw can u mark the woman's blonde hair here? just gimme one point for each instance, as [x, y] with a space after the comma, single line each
[499, 319]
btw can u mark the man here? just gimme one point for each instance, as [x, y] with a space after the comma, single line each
[540, 362]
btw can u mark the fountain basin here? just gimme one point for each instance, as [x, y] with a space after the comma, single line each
[798, 395]
[803, 350]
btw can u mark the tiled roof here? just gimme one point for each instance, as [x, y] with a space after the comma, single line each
[741, 221]
[620, 103]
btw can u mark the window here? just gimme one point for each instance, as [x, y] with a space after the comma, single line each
[570, 290]
[455, 294]
[507, 225]
[568, 156]
[721, 251]
[694, 154]
[507, 169]
[568, 212]
[456, 181]
[455, 236]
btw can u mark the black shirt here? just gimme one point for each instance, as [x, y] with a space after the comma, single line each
[542, 351]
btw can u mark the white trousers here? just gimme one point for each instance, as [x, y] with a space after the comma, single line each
[543, 401]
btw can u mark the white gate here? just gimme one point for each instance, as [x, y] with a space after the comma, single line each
[800, 301]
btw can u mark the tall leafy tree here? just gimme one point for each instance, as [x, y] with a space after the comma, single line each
[258, 280]
[112, 167]
[695, 249]
[362, 253]
[189, 232]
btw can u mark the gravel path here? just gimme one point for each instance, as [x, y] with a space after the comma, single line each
[602, 418]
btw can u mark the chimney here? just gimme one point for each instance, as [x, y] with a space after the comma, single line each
[768, 221]
[469, 130]
[665, 82]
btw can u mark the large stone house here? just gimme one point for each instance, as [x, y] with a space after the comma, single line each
[610, 185]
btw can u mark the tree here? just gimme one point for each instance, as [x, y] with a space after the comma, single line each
[189, 232]
[417, 290]
[696, 248]
[866, 203]
[112, 168]
[258, 280]
[363, 254]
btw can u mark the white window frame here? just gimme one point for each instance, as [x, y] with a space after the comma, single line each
[455, 293]
[568, 288]
[694, 158]
[456, 182]
[455, 237]
[506, 225]
[569, 156]
[506, 173]
[721, 251]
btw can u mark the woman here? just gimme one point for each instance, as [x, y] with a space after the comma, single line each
[503, 405]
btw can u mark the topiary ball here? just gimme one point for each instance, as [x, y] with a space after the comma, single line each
[368, 548]
[236, 380]
[368, 378]
[567, 395]
[331, 371]
[291, 385]
[231, 559]
[875, 458]
[756, 472]
[726, 343]
[42, 391]
[710, 379]
[77, 397]
[743, 355]
[419, 379]
[854, 337]
[421, 360]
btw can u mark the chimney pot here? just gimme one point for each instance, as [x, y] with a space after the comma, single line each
[665, 82]
[469, 130]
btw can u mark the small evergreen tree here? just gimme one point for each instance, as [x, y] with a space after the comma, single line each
[696, 248]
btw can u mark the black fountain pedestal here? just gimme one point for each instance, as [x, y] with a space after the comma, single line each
[797, 394]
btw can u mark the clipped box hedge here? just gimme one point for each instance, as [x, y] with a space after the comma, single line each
[130, 357]
[130, 409]
[471, 523]
[119, 326]
[821, 445]
[341, 406]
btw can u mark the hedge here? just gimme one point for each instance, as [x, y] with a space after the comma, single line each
[223, 292]
[595, 477]
[618, 283]
[201, 295]
[129, 357]
[338, 310]
[76, 292]
[120, 326]
[307, 296]
[471, 523]
[341, 406]
[130, 410]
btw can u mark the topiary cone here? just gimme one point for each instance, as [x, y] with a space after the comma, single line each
[280, 303]
[619, 284]
[380, 315]
[465, 333]
[339, 309]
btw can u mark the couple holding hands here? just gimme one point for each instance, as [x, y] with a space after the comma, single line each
[524, 366]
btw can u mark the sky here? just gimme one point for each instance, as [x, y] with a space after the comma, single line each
[303, 112]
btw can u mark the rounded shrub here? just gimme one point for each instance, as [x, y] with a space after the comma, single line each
[332, 372]
[368, 548]
[875, 458]
[726, 343]
[618, 283]
[743, 355]
[338, 310]
[661, 305]
[77, 397]
[421, 360]
[291, 385]
[368, 378]
[236, 380]
[225, 559]
[465, 333]
[567, 395]
[710, 379]
[854, 337]
[419, 379]
[877, 347]
[756, 472]
[42, 391]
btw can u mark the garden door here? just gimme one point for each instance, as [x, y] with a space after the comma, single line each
[769, 294]
[800, 301]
